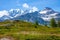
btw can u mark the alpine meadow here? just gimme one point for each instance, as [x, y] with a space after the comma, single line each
[29, 20]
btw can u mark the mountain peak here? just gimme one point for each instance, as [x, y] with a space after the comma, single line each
[14, 10]
[47, 8]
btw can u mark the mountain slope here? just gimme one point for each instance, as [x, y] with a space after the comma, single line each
[31, 17]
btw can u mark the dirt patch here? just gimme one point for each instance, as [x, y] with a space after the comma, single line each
[6, 38]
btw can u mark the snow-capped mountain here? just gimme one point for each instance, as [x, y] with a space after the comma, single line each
[49, 13]
[15, 12]
[29, 15]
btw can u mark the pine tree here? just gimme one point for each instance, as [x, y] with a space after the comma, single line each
[58, 23]
[36, 24]
[53, 23]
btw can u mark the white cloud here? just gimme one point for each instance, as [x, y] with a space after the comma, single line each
[33, 9]
[25, 5]
[4, 12]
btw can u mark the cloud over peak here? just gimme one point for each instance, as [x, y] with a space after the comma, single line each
[33, 9]
[25, 5]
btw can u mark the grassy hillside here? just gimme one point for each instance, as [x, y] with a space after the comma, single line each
[20, 30]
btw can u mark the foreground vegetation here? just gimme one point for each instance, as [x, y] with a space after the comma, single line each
[20, 30]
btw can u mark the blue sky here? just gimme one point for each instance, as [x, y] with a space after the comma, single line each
[40, 4]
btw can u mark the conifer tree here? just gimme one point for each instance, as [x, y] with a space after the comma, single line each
[53, 23]
[58, 23]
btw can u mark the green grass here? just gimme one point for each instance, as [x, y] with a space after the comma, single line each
[28, 31]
